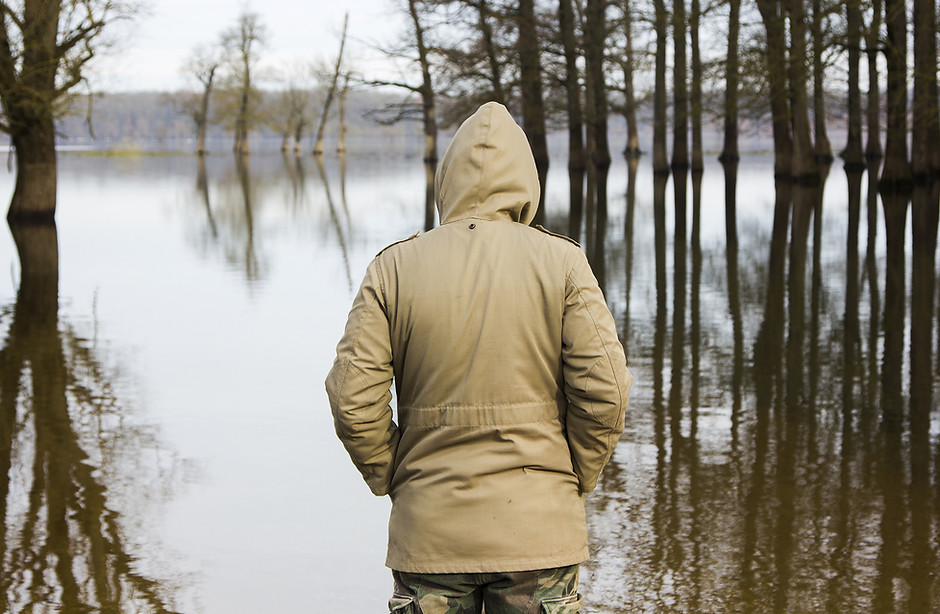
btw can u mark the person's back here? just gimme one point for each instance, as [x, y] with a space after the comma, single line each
[511, 383]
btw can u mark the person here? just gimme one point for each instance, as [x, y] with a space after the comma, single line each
[511, 388]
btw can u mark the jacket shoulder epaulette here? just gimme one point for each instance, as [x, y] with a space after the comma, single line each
[556, 234]
[396, 243]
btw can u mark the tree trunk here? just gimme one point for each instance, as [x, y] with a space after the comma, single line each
[803, 166]
[772, 16]
[533, 108]
[696, 96]
[343, 93]
[896, 174]
[729, 152]
[428, 114]
[632, 149]
[823, 146]
[576, 156]
[34, 197]
[330, 93]
[853, 146]
[660, 163]
[492, 58]
[873, 150]
[202, 118]
[925, 152]
[595, 27]
[680, 107]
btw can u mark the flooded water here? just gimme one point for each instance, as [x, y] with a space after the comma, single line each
[166, 443]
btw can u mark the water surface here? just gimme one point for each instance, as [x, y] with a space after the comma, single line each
[171, 448]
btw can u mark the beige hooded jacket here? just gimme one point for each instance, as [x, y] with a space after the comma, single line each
[511, 383]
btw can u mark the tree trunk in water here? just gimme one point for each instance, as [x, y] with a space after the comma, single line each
[873, 44]
[343, 93]
[576, 157]
[202, 122]
[896, 174]
[696, 97]
[34, 197]
[772, 16]
[660, 163]
[632, 149]
[925, 151]
[318, 146]
[429, 117]
[680, 107]
[533, 108]
[595, 28]
[823, 146]
[853, 146]
[803, 166]
[241, 125]
[729, 152]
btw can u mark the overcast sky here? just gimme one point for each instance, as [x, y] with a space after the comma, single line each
[151, 50]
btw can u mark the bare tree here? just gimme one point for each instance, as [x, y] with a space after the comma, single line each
[425, 109]
[203, 64]
[853, 147]
[803, 164]
[773, 16]
[576, 153]
[289, 115]
[44, 50]
[632, 149]
[729, 152]
[873, 149]
[242, 44]
[925, 154]
[680, 94]
[331, 92]
[818, 22]
[660, 163]
[897, 169]
[533, 106]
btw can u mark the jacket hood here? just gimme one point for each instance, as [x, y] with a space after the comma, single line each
[488, 170]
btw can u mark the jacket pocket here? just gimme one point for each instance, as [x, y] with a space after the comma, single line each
[562, 605]
[402, 604]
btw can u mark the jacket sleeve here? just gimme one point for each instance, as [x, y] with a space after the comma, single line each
[597, 382]
[359, 385]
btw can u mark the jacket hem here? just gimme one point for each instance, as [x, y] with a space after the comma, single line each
[490, 566]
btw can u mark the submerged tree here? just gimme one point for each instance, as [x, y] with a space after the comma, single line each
[426, 108]
[241, 42]
[331, 92]
[44, 50]
[530, 85]
[203, 65]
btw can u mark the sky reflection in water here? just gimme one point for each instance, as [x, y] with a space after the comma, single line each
[199, 311]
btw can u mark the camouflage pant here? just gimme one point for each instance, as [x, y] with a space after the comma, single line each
[545, 591]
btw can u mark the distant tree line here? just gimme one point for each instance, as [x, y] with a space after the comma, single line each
[158, 121]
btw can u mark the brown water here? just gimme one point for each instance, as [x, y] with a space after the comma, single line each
[167, 446]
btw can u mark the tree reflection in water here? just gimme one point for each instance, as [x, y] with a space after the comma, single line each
[62, 429]
[797, 470]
